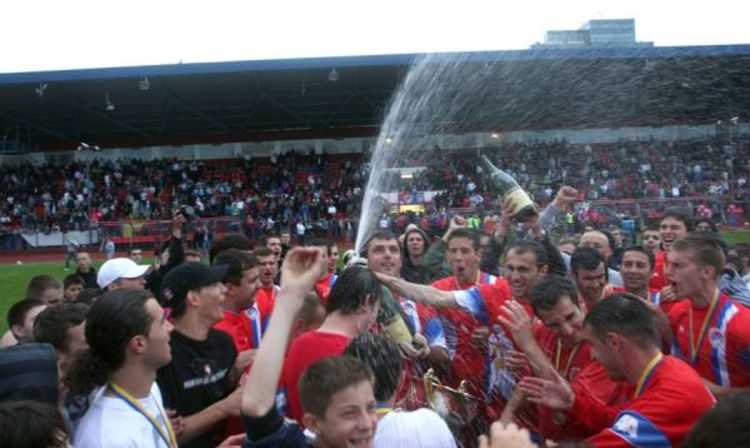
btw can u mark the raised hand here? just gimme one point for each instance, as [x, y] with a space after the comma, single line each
[554, 394]
[565, 197]
[301, 269]
[518, 322]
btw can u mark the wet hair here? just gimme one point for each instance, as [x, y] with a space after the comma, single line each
[383, 358]
[625, 314]
[355, 287]
[470, 235]
[706, 250]
[378, 235]
[723, 426]
[238, 261]
[587, 258]
[41, 283]
[678, 214]
[17, 313]
[52, 324]
[550, 290]
[528, 246]
[88, 296]
[642, 249]
[112, 321]
[328, 376]
[73, 279]
[31, 424]
[230, 241]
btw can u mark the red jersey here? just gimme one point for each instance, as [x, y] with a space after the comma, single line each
[324, 286]
[304, 351]
[469, 361]
[236, 325]
[659, 277]
[662, 410]
[484, 302]
[568, 361]
[265, 298]
[721, 334]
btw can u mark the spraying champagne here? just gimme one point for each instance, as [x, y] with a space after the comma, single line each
[507, 186]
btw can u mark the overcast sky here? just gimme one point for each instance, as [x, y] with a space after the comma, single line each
[54, 34]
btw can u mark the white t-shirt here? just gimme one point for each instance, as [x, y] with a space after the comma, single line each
[420, 428]
[110, 422]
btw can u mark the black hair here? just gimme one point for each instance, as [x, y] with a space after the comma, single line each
[230, 241]
[586, 258]
[18, 311]
[708, 221]
[31, 424]
[356, 286]
[642, 249]
[112, 321]
[625, 314]
[724, 426]
[550, 290]
[383, 357]
[470, 235]
[678, 214]
[380, 234]
[73, 279]
[238, 261]
[530, 246]
[52, 324]
[88, 296]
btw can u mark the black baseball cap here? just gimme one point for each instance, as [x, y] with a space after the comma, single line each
[189, 277]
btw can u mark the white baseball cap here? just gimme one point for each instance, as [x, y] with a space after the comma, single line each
[117, 268]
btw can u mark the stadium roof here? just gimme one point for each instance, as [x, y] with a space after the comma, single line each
[346, 96]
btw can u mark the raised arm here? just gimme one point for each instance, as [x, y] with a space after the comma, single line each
[300, 271]
[420, 293]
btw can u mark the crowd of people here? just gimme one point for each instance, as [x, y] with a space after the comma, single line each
[323, 193]
[511, 337]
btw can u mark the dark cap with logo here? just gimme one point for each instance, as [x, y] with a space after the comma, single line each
[188, 277]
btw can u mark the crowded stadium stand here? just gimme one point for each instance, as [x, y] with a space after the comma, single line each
[264, 145]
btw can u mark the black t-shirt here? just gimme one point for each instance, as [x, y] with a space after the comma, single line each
[197, 377]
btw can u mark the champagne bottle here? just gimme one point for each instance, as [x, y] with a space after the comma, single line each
[392, 319]
[523, 208]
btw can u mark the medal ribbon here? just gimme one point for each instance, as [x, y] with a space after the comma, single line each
[646, 375]
[168, 435]
[695, 347]
[572, 355]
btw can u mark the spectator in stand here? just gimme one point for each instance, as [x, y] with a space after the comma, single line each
[85, 270]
